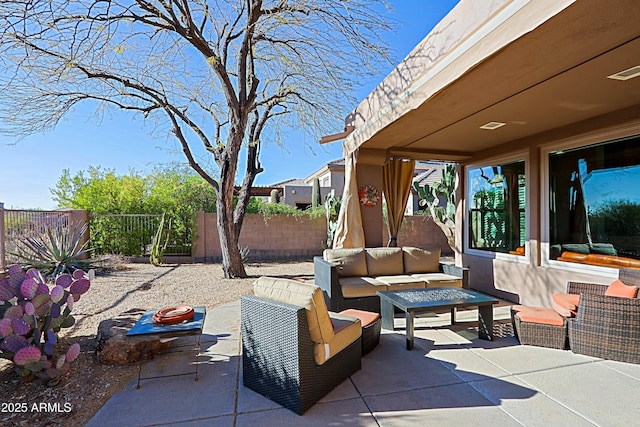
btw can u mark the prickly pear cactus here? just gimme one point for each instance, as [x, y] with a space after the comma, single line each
[433, 196]
[32, 311]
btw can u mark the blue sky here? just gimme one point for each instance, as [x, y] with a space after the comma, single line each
[32, 166]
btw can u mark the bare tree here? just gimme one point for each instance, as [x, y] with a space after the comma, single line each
[218, 74]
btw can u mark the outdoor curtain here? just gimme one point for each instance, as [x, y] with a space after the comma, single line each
[397, 176]
[349, 231]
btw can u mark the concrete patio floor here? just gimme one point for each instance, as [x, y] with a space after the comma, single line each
[449, 378]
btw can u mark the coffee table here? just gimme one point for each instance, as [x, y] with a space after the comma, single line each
[413, 301]
[147, 330]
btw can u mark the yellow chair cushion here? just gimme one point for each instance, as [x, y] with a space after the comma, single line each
[421, 260]
[346, 330]
[301, 294]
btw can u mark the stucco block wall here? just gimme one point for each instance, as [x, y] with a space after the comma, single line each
[279, 237]
[420, 231]
[286, 237]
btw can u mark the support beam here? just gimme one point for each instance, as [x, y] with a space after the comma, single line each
[444, 155]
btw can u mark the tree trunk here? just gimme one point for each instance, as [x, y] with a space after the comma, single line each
[449, 234]
[232, 264]
[447, 228]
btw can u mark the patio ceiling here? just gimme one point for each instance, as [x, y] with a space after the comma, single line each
[553, 76]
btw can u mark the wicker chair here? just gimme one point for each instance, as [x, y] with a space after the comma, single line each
[278, 356]
[606, 326]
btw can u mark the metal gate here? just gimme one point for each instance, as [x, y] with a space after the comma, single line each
[21, 224]
[124, 234]
[132, 235]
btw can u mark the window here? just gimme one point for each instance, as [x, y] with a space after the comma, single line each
[594, 202]
[497, 208]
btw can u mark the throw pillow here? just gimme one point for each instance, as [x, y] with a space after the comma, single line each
[619, 289]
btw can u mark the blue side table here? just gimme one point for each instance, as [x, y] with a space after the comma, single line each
[147, 330]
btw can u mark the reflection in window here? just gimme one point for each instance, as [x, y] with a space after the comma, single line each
[595, 203]
[497, 208]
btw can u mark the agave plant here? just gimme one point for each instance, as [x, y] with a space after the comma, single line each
[59, 249]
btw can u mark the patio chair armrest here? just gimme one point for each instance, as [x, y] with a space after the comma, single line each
[589, 288]
[325, 275]
[614, 312]
[454, 270]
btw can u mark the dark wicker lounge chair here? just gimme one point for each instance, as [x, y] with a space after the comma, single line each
[278, 356]
[606, 326]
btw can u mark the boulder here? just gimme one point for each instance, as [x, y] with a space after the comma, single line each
[113, 348]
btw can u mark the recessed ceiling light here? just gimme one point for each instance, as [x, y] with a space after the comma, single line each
[492, 125]
[626, 74]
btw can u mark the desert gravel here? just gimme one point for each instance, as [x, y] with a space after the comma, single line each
[143, 286]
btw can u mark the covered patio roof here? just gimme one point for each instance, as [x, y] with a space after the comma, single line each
[533, 66]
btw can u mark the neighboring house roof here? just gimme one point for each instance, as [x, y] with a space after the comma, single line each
[428, 177]
[428, 172]
[292, 181]
[329, 166]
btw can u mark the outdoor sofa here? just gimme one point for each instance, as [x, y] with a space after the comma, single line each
[350, 278]
[294, 351]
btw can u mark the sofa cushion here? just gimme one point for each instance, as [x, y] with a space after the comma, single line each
[346, 330]
[437, 280]
[565, 304]
[349, 262]
[383, 261]
[562, 311]
[418, 260]
[301, 294]
[356, 287]
[619, 289]
[401, 281]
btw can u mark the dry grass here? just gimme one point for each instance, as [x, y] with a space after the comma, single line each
[141, 286]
